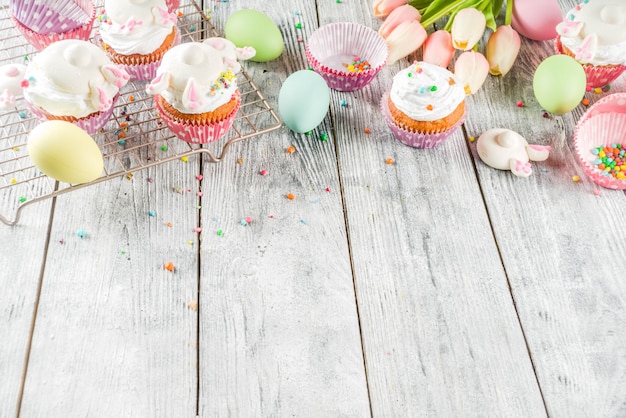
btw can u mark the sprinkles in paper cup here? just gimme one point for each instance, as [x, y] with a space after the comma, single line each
[600, 141]
[348, 55]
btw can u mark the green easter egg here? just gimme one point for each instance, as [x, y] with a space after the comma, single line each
[303, 101]
[559, 84]
[252, 28]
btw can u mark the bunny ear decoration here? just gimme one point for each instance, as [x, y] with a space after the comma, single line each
[191, 99]
[99, 99]
[115, 74]
[160, 83]
[587, 49]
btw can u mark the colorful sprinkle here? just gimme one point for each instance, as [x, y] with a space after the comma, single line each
[575, 179]
[298, 25]
[169, 266]
[13, 180]
[192, 28]
[239, 160]
[324, 136]
[520, 104]
[81, 233]
[597, 90]
[219, 232]
[129, 176]
[343, 103]
[358, 65]
[263, 172]
[152, 214]
[389, 161]
[611, 160]
[199, 177]
[184, 159]
[163, 147]
[367, 131]
[197, 229]
[472, 139]
[429, 107]
[22, 199]
[585, 101]
[169, 224]
[290, 196]
[131, 98]
[291, 150]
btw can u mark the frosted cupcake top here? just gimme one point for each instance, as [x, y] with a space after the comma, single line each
[72, 78]
[595, 31]
[199, 77]
[426, 92]
[135, 26]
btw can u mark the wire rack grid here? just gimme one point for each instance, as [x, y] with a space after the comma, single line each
[134, 138]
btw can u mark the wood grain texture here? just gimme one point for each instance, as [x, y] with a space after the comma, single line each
[114, 335]
[22, 249]
[279, 329]
[441, 335]
[555, 236]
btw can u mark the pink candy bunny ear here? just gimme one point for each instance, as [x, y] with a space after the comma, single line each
[99, 98]
[587, 49]
[7, 100]
[165, 16]
[160, 83]
[191, 99]
[115, 74]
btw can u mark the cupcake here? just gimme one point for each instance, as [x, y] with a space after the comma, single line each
[45, 22]
[348, 55]
[594, 33]
[74, 81]
[136, 34]
[425, 105]
[195, 90]
[600, 141]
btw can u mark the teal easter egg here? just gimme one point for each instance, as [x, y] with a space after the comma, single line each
[252, 28]
[559, 84]
[303, 101]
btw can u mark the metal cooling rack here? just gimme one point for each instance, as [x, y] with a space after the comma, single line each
[134, 138]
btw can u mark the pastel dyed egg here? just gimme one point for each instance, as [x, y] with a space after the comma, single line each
[65, 152]
[252, 28]
[559, 84]
[303, 101]
[536, 19]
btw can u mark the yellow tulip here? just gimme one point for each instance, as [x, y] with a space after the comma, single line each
[468, 27]
[502, 49]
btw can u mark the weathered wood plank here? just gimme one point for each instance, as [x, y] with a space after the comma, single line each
[440, 331]
[559, 246]
[114, 335]
[22, 250]
[279, 333]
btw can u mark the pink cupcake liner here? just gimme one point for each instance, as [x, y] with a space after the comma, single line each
[332, 46]
[40, 41]
[172, 5]
[197, 134]
[49, 17]
[91, 124]
[146, 70]
[603, 124]
[597, 76]
[415, 139]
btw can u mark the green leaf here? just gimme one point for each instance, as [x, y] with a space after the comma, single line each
[441, 8]
[496, 7]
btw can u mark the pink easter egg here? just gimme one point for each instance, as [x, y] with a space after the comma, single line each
[536, 19]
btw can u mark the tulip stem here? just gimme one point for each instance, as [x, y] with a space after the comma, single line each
[438, 14]
[509, 12]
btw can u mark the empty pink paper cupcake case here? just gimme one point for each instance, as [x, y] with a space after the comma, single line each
[333, 47]
[597, 76]
[40, 41]
[52, 17]
[603, 124]
[415, 139]
[193, 133]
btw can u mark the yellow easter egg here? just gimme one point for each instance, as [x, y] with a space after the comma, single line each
[65, 152]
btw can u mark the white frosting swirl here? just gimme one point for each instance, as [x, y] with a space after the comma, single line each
[426, 91]
[73, 78]
[596, 32]
[135, 26]
[197, 77]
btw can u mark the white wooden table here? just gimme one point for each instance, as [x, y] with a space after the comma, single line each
[433, 286]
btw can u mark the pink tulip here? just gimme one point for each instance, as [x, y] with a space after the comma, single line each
[438, 48]
[383, 7]
[401, 14]
[407, 37]
[472, 68]
[468, 27]
[502, 49]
